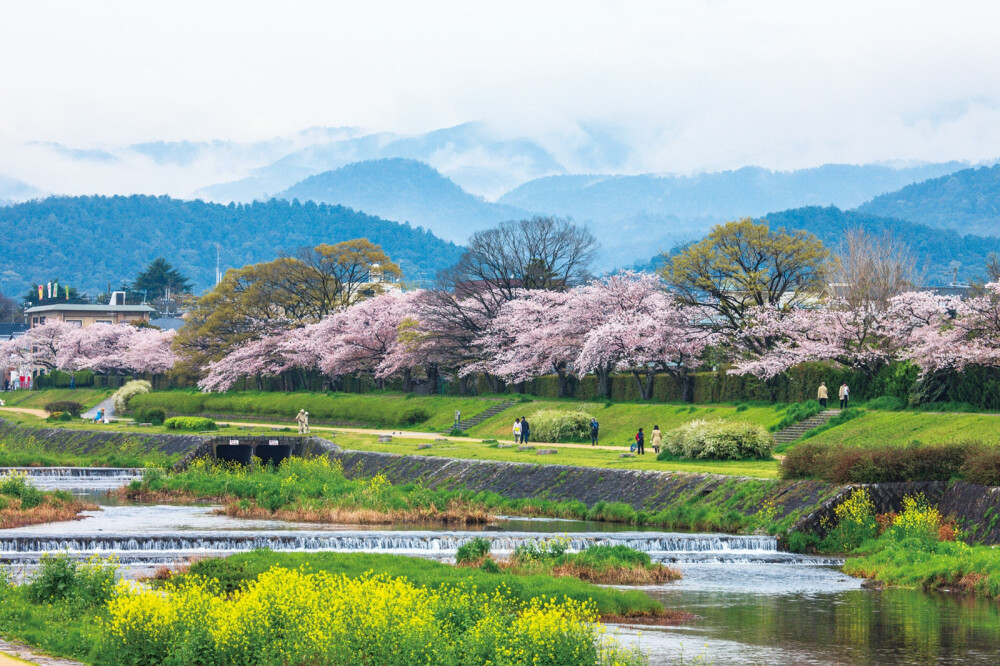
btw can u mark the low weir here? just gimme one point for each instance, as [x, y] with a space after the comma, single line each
[130, 548]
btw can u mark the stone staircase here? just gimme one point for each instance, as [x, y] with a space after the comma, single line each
[796, 430]
[473, 421]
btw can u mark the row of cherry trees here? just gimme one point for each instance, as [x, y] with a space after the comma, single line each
[113, 349]
[628, 322]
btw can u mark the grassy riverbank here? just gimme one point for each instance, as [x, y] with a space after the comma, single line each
[266, 607]
[316, 490]
[22, 504]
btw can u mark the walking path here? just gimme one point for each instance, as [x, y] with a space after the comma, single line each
[108, 405]
[13, 653]
[40, 413]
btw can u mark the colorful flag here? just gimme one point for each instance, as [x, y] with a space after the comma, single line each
[41, 292]
[67, 292]
[50, 290]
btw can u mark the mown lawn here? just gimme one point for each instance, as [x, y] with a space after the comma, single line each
[38, 399]
[878, 428]
[581, 457]
[430, 413]
[620, 421]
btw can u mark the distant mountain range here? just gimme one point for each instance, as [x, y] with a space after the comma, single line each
[967, 200]
[942, 252]
[407, 191]
[13, 191]
[87, 242]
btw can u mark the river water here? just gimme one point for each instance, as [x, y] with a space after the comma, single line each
[755, 604]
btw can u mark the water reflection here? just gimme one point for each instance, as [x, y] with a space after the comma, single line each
[817, 615]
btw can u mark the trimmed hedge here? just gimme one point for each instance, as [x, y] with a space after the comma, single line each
[67, 406]
[153, 415]
[60, 379]
[971, 461]
[189, 423]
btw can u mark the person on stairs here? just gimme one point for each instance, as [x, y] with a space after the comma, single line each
[822, 394]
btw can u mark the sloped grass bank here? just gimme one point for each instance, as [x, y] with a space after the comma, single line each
[890, 428]
[404, 411]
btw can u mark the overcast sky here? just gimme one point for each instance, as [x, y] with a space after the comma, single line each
[691, 85]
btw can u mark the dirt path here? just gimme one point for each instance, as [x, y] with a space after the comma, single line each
[13, 653]
[412, 434]
[40, 413]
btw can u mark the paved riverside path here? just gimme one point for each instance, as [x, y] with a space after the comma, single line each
[108, 405]
[13, 653]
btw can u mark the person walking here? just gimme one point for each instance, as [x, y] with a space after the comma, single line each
[525, 430]
[303, 421]
[654, 438]
[640, 440]
[595, 428]
[845, 395]
[517, 431]
[822, 394]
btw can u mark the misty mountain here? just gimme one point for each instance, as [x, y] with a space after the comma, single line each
[940, 251]
[725, 195]
[13, 190]
[87, 242]
[967, 200]
[469, 153]
[405, 190]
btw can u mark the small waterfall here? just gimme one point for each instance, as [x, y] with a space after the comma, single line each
[176, 546]
[74, 472]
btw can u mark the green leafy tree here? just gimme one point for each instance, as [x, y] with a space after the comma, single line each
[158, 278]
[745, 264]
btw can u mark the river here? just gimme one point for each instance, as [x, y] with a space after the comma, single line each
[755, 603]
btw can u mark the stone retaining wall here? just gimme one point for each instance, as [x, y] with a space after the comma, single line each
[643, 490]
[84, 441]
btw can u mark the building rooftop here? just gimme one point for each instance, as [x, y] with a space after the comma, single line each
[88, 307]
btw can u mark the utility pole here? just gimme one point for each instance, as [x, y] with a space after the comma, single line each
[218, 270]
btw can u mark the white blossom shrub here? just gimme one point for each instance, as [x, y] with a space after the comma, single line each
[555, 425]
[129, 391]
[718, 440]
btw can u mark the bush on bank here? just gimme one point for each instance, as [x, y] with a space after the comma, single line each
[190, 423]
[971, 461]
[123, 396]
[556, 425]
[719, 440]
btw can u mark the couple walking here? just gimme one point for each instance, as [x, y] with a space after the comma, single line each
[521, 431]
[823, 394]
[640, 441]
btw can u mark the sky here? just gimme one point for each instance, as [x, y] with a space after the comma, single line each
[686, 86]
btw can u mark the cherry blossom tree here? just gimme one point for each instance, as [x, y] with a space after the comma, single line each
[151, 350]
[38, 347]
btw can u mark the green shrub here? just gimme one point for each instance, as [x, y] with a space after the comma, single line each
[415, 416]
[473, 550]
[189, 423]
[122, 396]
[888, 403]
[719, 440]
[16, 485]
[489, 566]
[60, 578]
[153, 415]
[554, 425]
[840, 464]
[68, 406]
[855, 523]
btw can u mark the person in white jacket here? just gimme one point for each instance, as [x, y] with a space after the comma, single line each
[517, 431]
[845, 395]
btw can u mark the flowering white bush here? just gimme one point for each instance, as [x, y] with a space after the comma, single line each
[554, 425]
[129, 391]
[720, 440]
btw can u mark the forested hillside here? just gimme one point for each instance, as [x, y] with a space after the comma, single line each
[405, 190]
[967, 200]
[87, 242]
[941, 249]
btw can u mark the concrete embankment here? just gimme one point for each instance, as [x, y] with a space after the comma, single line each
[641, 489]
[86, 441]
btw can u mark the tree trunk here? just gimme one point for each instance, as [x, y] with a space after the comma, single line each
[519, 388]
[604, 382]
[496, 384]
[407, 381]
[563, 383]
[645, 387]
[464, 385]
[432, 377]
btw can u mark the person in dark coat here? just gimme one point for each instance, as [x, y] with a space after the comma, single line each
[640, 441]
[595, 428]
[525, 430]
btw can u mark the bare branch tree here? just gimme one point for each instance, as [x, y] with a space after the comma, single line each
[870, 269]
